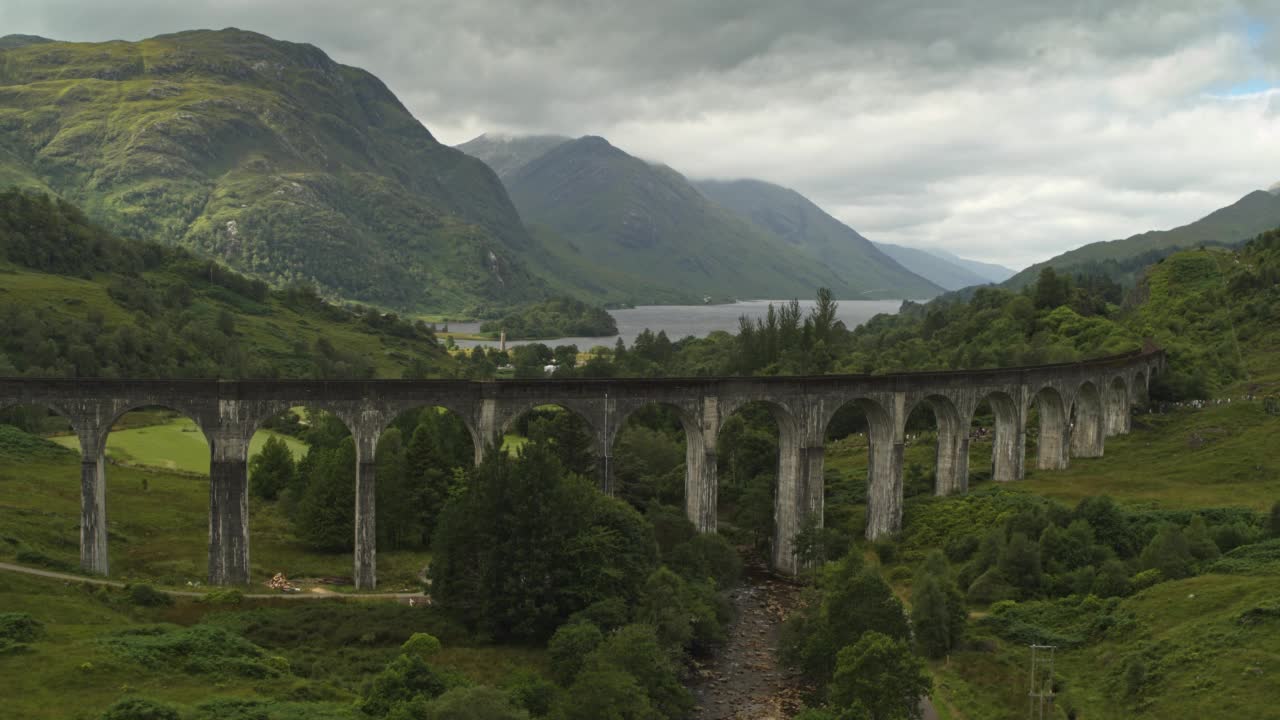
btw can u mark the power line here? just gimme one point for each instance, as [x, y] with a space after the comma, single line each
[1040, 694]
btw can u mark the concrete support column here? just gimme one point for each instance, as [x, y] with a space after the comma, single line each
[229, 508]
[788, 502]
[884, 473]
[1055, 440]
[487, 427]
[1087, 436]
[701, 490]
[952, 460]
[701, 459]
[93, 503]
[1117, 411]
[366, 536]
[1006, 448]
[884, 489]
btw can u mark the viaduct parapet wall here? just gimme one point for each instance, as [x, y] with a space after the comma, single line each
[1079, 405]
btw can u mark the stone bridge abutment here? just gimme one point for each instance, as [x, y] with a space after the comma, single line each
[1077, 405]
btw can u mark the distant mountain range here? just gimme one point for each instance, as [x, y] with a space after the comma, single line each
[952, 273]
[288, 166]
[1252, 214]
[590, 201]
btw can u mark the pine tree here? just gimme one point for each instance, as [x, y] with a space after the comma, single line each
[271, 470]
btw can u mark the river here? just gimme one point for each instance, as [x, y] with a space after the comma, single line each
[680, 321]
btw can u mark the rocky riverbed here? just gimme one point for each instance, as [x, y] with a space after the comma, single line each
[744, 681]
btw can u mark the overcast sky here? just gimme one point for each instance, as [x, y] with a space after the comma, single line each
[1002, 130]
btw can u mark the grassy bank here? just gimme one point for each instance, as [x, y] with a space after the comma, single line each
[157, 523]
[276, 659]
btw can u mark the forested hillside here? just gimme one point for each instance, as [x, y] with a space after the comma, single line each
[1123, 260]
[266, 155]
[77, 301]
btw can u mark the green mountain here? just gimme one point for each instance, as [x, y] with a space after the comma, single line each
[267, 155]
[938, 270]
[77, 301]
[795, 219]
[1123, 259]
[606, 219]
[508, 153]
[13, 41]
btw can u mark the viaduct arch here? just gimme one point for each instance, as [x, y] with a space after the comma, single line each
[1101, 392]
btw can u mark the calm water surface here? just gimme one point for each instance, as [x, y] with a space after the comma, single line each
[680, 321]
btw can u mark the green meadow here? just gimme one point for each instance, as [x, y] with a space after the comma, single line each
[175, 444]
[157, 514]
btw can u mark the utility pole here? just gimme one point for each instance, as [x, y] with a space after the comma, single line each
[1040, 694]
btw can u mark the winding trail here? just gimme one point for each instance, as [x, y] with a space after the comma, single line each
[69, 577]
[745, 681]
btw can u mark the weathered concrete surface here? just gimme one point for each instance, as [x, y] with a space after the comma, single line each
[1095, 395]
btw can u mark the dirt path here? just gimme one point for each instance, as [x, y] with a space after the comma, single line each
[403, 597]
[744, 681]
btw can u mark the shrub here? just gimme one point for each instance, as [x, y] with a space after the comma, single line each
[31, 557]
[886, 550]
[1169, 553]
[569, 647]
[139, 709]
[424, 645]
[233, 709]
[199, 649]
[705, 556]
[20, 627]
[1112, 580]
[147, 596]
[1135, 676]
[532, 692]
[405, 680]
[473, 703]
[1146, 579]
[991, 587]
[608, 615]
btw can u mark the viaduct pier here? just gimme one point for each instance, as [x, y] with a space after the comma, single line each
[1078, 405]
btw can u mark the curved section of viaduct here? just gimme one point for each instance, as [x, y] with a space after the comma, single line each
[230, 411]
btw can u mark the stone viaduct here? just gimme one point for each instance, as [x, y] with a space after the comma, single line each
[1078, 406]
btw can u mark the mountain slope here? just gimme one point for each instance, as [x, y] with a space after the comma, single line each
[76, 301]
[1252, 214]
[991, 271]
[614, 211]
[799, 222]
[938, 270]
[265, 154]
[506, 154]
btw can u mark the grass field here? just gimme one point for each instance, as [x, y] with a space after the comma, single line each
[175, 444]
[158, 525]
[1202, 661]
[330, 648]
